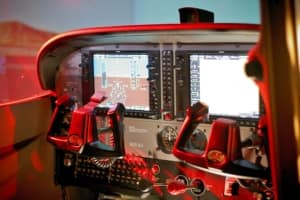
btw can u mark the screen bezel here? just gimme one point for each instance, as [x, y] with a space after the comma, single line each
[129, 112]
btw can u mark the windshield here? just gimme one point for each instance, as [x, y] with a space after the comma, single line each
[25, 27]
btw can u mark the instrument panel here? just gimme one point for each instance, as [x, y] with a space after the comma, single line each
[166, 79]
[157, 77]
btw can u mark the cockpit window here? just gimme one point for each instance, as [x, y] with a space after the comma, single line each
[19, 44]
[21, 39]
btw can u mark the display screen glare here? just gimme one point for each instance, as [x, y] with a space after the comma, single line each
[221, 83]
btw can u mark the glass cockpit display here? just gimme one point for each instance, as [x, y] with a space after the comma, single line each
[123, 78]
[220, 80]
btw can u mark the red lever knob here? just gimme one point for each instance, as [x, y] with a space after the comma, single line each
[176, 187]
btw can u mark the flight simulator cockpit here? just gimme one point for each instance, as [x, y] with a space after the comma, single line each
[157, 112]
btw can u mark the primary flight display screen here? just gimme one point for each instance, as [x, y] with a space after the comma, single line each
[123, 78]
[219, 80]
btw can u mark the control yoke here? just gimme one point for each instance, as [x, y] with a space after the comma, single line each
[90, 130]
[223, 149]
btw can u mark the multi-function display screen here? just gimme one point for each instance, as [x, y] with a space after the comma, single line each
[220, 81]
[123, 78]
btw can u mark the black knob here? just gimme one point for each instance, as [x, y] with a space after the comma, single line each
[253, 69]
